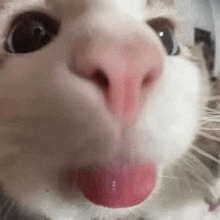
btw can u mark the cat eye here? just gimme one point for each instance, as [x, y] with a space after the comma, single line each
[165, 32]
[30, 32]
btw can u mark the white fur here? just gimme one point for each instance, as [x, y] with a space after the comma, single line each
[64, 122]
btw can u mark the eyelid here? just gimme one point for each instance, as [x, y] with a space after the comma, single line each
[161, 22]
[36, 15]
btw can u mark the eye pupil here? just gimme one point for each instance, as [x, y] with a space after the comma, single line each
[38, 31]
[165, 32]
[31, 32]
[167, 38]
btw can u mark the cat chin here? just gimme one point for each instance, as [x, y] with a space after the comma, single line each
[58, 208]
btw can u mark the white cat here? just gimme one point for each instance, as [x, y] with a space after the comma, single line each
[100, 102]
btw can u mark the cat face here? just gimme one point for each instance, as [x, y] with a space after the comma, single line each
[91, 89]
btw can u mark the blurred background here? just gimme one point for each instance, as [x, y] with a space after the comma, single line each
[203, 25]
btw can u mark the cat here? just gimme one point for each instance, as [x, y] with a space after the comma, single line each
[103, 112]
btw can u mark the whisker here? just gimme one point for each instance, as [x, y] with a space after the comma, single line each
[168, 177]
[209, 136]
[209, 109]
[215, 216]
[190, 187]
[214, 98]
[177, 180]
[210, 129]
[197, 169]
[212, 112]
[213, 117]
[200, 151]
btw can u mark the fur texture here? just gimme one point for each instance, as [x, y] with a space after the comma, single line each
[53, 118]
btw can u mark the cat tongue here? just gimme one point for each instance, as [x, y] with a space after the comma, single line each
[119, 183]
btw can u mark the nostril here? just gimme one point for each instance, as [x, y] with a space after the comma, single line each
[148, 79]
[100, 78]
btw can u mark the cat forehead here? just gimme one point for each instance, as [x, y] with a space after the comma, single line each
[10, 8]
[140, 9]
[45, 3]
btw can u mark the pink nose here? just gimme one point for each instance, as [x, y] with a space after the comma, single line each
[125, 74]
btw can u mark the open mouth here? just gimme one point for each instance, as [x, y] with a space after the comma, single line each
[119, 183]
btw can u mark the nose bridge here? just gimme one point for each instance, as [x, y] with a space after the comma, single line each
[127, 59]
[124, 80]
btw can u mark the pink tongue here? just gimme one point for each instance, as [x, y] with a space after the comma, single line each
[119, 183]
